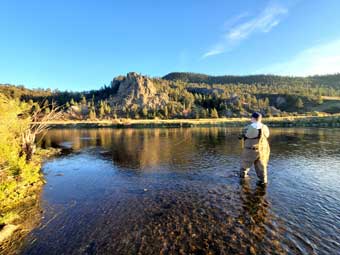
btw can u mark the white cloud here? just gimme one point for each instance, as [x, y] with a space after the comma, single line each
[319, 59]
[262, 23]
[235, 20]
[218, 49]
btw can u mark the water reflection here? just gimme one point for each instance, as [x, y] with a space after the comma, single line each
[254, 204]
[144, 148]
[177, 191]
[141, 148]
[254, 213]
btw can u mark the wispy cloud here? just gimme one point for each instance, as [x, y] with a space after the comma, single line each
[234, 20]
[262, 23]
[268, 19]
[319, 59]
[217, 49]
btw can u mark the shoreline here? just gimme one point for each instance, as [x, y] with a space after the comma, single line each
[291, 121]
[20, 215]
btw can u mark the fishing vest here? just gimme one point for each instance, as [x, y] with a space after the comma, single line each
[256, 142]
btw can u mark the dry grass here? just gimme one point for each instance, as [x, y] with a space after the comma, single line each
[330, 98]
[156, 122]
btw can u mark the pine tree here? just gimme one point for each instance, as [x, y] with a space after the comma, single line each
[145, 112]
[214, 113]
[299, 103]
[92, 114]
[101, 110]
[166, 112]
[203, 113]
[114, 113]
[196, 112]
[83, 100]
[108, 109]
[266, 102]
[134, 110]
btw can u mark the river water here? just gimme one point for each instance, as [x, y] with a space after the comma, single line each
[177, 191]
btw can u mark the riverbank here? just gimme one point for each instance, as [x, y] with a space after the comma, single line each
[291, 121]
[20, 201]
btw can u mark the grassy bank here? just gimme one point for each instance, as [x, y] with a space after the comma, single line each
[20, 202]
[291, 121]
[20, 176]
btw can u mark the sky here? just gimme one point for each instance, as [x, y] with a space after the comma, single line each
[81, 44]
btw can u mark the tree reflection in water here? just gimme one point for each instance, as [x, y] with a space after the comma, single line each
[173, 190]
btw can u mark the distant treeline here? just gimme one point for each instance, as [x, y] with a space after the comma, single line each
[331, 80]
[199, 96]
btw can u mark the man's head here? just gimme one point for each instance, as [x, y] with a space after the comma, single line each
[256, 117]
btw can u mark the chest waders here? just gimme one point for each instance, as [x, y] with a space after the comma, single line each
[255, 152]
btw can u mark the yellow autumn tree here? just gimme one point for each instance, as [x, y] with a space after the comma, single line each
[16, 173]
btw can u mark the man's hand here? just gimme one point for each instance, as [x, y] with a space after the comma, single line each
[241, 136]
[243, 133]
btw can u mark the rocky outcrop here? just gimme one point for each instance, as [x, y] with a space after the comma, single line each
[135, 89]
[274, 111]
[77, 112]
[280, 101]
[205, 91]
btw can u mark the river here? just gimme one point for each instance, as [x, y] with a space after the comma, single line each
[177, 191]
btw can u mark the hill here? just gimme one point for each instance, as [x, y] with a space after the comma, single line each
[332, 80]
[20, 91]
[188, 95]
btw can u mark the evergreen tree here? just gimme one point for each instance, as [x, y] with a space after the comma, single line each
[114, 113]
[83, 100]
[101, 110]
[214, 113]
[299, 103]
[203, 113]
[92, 114]
[166, 112]
[145, 112]
[266, 102]
[195, 112]
[134, 110]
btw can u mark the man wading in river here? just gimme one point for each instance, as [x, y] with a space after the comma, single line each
[256, 148]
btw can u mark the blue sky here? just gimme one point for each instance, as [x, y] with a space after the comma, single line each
[81, 45]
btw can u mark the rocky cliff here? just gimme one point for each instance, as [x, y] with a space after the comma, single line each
[137, 90]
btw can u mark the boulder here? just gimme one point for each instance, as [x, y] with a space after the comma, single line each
[274, 111]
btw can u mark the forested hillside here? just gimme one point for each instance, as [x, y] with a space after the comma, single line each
[332, 80]
[188, 95]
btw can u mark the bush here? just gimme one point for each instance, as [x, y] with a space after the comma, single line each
[16, 173]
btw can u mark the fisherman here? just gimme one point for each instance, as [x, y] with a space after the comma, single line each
[256, 148]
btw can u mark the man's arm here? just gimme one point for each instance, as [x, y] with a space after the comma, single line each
[242, 135]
